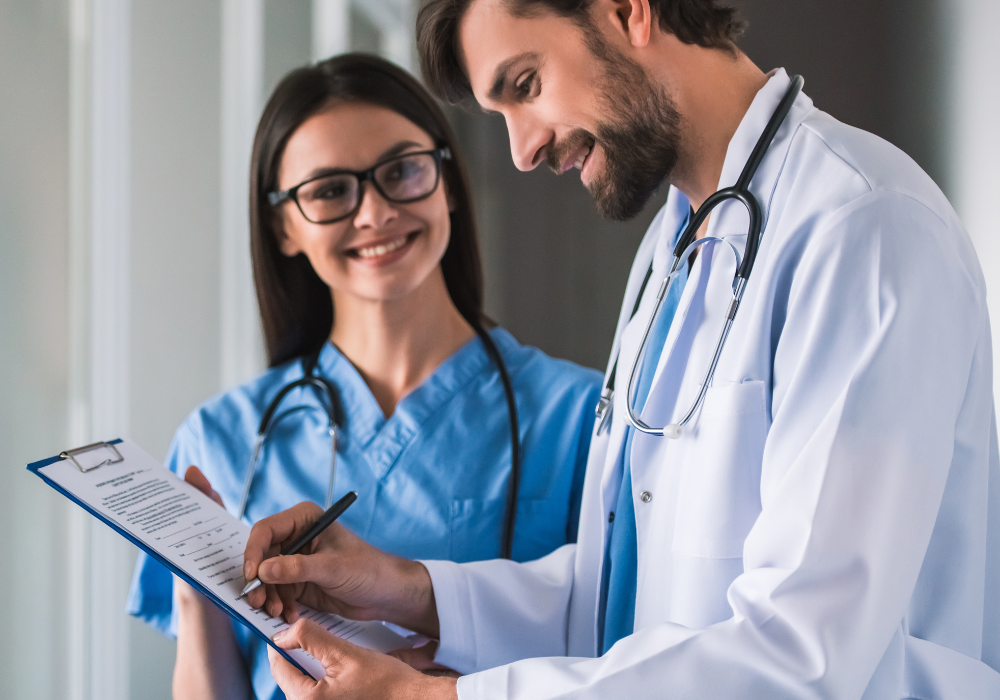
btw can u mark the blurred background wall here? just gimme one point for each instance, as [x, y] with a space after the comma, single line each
[125, 297]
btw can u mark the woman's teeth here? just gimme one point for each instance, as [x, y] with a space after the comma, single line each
[382, 248]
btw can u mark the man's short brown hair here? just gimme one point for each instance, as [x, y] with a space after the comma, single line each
[706, 23]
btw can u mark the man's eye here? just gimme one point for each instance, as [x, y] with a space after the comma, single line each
[525, 88]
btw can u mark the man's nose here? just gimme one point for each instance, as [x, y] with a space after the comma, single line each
[375, 210]
[528, 141]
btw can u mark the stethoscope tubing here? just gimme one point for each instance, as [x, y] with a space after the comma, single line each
[334, 414]
[334, 418]
[686, 245]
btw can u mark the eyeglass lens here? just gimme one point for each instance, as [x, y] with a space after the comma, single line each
[403, 179]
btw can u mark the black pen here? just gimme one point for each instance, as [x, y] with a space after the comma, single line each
[324, 521]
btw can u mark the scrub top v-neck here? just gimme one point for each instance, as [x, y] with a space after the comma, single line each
[431, 478]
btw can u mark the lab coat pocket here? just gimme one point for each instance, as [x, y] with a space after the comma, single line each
[718, 498]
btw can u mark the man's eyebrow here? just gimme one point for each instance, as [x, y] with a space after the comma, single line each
[500, 76]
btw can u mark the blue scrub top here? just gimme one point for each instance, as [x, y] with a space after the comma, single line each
[431, 479]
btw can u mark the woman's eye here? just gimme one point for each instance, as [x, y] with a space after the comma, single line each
[402, 170]
[333, 190]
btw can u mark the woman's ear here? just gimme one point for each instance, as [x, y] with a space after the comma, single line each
[287, 246]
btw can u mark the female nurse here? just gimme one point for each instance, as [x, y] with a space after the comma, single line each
[374, 280]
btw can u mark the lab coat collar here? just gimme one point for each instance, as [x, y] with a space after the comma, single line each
[742, 144]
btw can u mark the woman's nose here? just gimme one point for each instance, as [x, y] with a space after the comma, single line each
[375, 210]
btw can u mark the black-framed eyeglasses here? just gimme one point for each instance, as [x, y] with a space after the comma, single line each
[337, 195]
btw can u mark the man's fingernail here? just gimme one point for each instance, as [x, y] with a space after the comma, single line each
[267, 571]
[279, 636]
[246, 570]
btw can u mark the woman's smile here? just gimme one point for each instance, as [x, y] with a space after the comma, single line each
[384, 251]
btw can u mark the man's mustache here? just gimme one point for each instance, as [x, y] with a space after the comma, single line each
[556, 155]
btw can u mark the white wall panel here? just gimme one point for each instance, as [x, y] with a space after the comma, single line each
[974, 139]
[34, 323]
[242, 353]
[175, 259]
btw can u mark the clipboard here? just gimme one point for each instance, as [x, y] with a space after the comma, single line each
[89, 461]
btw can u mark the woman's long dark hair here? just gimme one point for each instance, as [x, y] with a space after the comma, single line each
[296, 308]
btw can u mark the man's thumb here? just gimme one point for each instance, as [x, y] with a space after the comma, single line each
[313, 639]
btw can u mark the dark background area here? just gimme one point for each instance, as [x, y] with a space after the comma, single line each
[556, 272]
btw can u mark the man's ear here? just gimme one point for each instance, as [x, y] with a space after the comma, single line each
[633, 18]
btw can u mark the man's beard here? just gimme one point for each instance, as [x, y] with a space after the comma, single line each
[640, 144]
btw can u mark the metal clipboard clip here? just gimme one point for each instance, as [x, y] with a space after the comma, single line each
[85, 465]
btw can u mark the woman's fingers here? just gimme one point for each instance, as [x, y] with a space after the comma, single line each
[194, 477]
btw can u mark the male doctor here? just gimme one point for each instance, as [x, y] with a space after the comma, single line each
[828, 523]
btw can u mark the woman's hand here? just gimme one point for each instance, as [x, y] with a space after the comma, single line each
[337, 572]
[209, 664]
[351, 672]
[194, 477]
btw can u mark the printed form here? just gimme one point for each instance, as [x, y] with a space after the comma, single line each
[171, 519]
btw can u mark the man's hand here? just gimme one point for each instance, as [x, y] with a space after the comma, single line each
[337, 572]
[351, 672]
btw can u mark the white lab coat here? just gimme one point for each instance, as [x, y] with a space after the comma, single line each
[829, 527]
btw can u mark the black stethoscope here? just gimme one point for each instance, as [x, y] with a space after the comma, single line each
[335, 417]
[686, 245]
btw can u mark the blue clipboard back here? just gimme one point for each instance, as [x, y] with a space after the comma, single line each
[186, 532]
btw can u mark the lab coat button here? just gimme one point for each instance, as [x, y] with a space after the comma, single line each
[645, 496]
[611, 517]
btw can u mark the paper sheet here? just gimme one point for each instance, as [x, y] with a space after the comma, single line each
[174, 521]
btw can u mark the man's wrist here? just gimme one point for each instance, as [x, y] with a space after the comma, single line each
[412, 605]
[433, 688]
